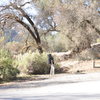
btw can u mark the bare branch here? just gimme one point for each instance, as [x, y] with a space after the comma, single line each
[27, 27]
[93, 26]
[30, 21]
[25, 4]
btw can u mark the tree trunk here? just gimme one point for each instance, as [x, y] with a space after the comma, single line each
[37, 39]
[40, 49]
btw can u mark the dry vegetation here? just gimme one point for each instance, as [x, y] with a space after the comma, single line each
[68, 27]
[82, 62]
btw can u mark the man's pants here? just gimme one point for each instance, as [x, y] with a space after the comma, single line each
[52, 70]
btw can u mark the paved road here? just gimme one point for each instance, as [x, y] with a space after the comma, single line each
[61, 87]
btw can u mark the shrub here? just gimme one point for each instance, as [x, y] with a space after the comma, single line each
[39, 64]
[22, 62]
[7, 71]
[34, 63]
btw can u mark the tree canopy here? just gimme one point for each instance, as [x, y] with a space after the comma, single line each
[76, 21]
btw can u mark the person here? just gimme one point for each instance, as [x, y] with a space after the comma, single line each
[51, 62]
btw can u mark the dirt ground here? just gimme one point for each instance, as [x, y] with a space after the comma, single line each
[72, 66]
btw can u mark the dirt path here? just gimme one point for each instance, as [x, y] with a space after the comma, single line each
[82, 66]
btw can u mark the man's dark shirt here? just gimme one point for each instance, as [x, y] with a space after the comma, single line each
[50, 59]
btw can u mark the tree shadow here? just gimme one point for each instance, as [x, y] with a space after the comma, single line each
[56, 97]
[34, 84]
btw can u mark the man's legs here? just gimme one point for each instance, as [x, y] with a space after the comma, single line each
[52, 70]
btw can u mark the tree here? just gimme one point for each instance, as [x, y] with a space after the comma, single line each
[77, 20]
[15, 12]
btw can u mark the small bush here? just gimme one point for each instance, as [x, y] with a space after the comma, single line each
[7, 71]
[40, 64]
[22, 62]
[34, 63]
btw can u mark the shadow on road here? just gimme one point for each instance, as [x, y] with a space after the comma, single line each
[35, 84]
[64, 79]
[56, 97]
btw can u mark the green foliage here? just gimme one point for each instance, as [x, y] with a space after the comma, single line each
[98, 40]
[22, 62]
[39, 64]
[56, 43]
[7, 71]
[34, 63]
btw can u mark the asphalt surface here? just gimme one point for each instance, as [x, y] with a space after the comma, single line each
[59, 87]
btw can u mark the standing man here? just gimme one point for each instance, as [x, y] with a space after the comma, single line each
[51, 62]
